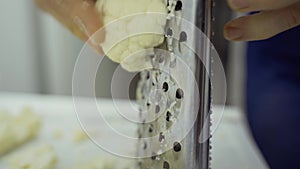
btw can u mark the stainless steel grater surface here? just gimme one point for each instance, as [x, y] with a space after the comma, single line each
[177, 90]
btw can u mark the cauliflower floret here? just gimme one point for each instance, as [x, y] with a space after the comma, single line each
[131, 26]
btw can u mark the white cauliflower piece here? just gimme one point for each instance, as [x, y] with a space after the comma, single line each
[131, 26]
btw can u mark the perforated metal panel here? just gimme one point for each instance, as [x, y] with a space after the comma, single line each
[175, 90]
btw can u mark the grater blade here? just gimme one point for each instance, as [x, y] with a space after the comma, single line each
[178, 90]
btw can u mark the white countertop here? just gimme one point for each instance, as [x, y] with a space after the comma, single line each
[233, 148]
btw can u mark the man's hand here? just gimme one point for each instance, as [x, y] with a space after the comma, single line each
[275, 16]
[79, 16]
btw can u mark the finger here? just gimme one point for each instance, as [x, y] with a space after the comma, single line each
[263, 25]
[259, 5]
[80, 16]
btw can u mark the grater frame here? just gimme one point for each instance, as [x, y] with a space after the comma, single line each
[197, 154]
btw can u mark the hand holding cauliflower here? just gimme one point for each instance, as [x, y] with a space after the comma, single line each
[122, 19]
[132, 27]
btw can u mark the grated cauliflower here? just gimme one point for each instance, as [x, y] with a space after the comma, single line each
[131, 26]
[16, 130]
[35, 157]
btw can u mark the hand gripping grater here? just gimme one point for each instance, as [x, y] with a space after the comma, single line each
[177, 91]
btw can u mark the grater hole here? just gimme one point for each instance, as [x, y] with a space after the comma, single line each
[148, 75]
[150, 128]
[166, 165]
[165, 87]
[157, 109]
[161, 137]
[179, 93]
[152, 56]
[182, 37]
[145, 146]
[178, 6]
[168, 4]
[169, 32]
[153, 157]
[168, 118]
[161, 59]
[177, 147]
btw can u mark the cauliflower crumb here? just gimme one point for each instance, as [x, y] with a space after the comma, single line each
[57, 134]
[79, 136]
[131, 26]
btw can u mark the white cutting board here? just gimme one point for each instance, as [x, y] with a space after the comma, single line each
[58, 115]
[233, 147]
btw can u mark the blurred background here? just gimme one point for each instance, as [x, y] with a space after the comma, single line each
[38, 54]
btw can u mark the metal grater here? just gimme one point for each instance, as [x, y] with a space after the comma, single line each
[168, 93]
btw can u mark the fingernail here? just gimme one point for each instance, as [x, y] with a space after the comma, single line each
[240, 4]
[232, 33]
